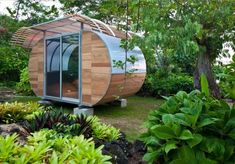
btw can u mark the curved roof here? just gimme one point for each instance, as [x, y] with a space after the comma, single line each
[27, 37]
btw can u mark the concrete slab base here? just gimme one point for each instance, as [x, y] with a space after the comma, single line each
[123, 103]
[83, 110]
[45, 102]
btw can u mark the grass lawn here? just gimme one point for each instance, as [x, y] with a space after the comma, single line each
[129, 119]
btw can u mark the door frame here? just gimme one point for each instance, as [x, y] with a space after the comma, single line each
[61, 98]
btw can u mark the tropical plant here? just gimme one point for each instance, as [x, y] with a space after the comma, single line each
[227, 81]
[15, 112]
[103, 131]
[24, 87]
[157, 84]
[12, 60]
[74, 125]
[46, 146]
[191, 128]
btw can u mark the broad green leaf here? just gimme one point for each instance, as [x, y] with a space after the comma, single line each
[230, 123]
[186, 135]
[229, 151]
[201, 158]
[181, 95]
[163, 132]
[185, 153]
[180, 161]
[213, 145]
[150, 157]
[232, 134]
[204, 84]
[186, 110]
[181, 119]
[168, 118]
[205, 122]
[170, 145]
[197, 138]
[177, 129]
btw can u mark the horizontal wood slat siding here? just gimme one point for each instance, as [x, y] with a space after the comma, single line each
[96, 68]
[122, 87]
[36, 70]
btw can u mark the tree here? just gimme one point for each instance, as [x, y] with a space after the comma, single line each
[189, 28]
[33, 11]
[7, 27]
[109, 11]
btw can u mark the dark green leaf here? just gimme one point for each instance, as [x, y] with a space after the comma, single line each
[163, 132]
[170, 145]
[205, 122]
[197, 138]
[186, 135]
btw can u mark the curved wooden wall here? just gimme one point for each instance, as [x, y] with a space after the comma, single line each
[122, 86]
[36, 68]
[96, 68]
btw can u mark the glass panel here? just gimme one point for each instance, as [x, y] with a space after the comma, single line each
[117, 53]
[70, 66]
[53, 67]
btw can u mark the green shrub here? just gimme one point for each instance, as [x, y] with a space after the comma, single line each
[47, 146]
[12, 60]
[15, 112]
[24, 87]
[60, 122]
[157, 85]
[103, 131]
[227, 81]
[191, 128]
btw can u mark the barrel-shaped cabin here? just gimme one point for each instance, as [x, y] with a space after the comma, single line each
[74, 60]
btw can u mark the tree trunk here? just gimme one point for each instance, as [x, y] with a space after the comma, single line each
[203, 65]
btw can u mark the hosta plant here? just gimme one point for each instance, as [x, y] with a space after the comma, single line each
[46, 146]
[191, 128]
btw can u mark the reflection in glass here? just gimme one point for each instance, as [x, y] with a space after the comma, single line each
[70, 60]
[53, 67]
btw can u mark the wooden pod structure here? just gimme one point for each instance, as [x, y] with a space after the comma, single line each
[79, 60]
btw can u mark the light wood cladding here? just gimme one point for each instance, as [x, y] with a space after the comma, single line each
[96, 68]
[122, 85]
[36, 68]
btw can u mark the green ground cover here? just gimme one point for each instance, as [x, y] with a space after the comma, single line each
[129, 119]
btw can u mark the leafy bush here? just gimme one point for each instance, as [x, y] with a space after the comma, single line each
[15, 112]
[103, 131]
[46, 146]
[24, 86]
[12, 60]
[227, 81]
[60, 122]
[191, 128]
[158, 85]
[74, 125]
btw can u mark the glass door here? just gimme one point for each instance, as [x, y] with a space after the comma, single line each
[52, 71]
[70, 66]
[62, 67]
